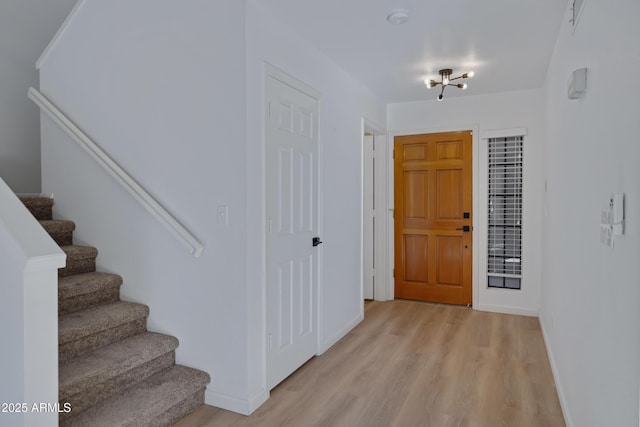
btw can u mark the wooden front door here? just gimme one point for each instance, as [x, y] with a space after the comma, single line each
[433, 217]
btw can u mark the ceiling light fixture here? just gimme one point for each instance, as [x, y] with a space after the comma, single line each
[398, 16]
[445, 80]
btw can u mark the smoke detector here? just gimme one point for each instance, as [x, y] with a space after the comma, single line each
[398, 16]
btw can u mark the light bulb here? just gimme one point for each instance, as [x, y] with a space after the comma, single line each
[470, 74]
[445, 80]
[462, 86]
[427, 83]
[440, 97]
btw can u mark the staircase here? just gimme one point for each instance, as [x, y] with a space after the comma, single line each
[112, 371]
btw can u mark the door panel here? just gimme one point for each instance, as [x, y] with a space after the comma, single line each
[449, 262]
[416, 255]
[415, 187]
[449, 194]
[433, 199]
[285, 305]
[292, 222]
[449, 150]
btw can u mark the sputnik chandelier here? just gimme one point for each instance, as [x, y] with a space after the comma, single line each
[445, 80]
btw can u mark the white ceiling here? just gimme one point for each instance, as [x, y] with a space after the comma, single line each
[508, 43]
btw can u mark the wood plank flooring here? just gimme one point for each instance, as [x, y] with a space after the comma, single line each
[416, 364]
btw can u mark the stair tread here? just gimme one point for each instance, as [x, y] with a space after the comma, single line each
[79, 324]
[113, 360]
[79, 252]
[58, 225]
[39, 206]
[36, 200]
[148, 400]
[82, 284]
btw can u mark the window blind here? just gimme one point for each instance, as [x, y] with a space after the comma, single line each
[505, 212]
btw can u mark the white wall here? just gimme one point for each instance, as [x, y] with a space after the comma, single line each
[343, 103]
[172, 92]
[591, 293]
[12, 262]
[29, 262]
[522, 109]
[25, 29]
[160, 86]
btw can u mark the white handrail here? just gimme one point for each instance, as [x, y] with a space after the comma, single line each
[128, 183]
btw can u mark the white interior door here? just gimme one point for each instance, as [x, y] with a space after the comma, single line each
[375, 211]
[292, 224]
[369, 232]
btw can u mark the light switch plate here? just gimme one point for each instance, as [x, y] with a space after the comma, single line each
[222, 215]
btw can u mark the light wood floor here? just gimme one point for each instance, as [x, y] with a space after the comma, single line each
[416, 364]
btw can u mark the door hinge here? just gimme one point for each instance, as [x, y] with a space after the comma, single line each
[393, 154]
[269, 225]
[270, 342]
[394, 272]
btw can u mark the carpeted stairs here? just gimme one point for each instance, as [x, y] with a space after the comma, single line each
[112, 371]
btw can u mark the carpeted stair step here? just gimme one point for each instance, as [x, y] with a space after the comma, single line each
[95, 376]
[158, 401]
[39, 206]
[82, 291]
[80, 259]
[60, 231]
[87, 330]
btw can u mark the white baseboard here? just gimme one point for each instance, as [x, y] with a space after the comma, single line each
[556, 378]
[506, 310]
[256, 401]
[234, 403]
[326, 345]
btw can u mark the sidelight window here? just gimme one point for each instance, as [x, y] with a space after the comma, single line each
[504, 214]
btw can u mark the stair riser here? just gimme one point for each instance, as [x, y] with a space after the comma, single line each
[93, 299]
[181, 410]
[62, 239]
[160, 400]
[78, 266]
[70, 349]
[90, 394]
[41, 213]
[167, 419]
